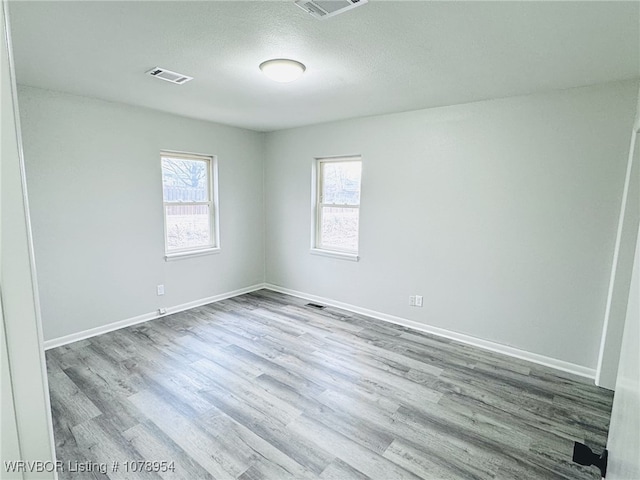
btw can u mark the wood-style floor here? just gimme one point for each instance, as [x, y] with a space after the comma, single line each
[263, 387]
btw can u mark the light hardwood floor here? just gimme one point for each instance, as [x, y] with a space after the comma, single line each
[263, 387]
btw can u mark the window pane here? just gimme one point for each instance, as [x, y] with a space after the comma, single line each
[339, 228]
[341, 182]
[188, 226]
[185, 180]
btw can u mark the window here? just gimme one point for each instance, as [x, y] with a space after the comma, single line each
[337, 206]
[189, 188]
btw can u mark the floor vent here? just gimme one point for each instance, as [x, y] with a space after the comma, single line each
[315, 305]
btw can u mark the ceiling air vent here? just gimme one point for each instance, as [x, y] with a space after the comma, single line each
[328, 8]
[169, 76]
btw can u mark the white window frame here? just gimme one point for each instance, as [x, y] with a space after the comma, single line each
[316, 210]
[212, 203]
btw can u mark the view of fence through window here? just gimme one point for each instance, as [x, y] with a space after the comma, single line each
[339, 205]
[187, 202]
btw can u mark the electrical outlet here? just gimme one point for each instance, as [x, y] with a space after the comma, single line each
[415, 301]
[160, 290]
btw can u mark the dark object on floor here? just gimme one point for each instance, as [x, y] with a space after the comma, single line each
[584, 456]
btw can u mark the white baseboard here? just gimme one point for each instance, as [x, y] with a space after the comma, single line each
[92, 332]
[441, 332]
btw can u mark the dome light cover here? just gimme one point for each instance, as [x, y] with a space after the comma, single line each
[282, 70]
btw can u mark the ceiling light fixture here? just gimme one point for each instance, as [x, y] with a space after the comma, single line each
[282, 70]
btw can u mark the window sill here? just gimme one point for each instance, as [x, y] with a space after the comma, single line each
[196, 253]
[341, 255]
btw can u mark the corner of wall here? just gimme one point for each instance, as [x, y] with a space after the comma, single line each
[263, 150]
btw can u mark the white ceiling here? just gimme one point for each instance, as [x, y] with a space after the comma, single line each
[382, 57]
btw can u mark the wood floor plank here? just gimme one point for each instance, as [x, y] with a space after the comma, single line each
[305, 401]
[409, 390]
[264, 452]
[302, 450]
[352, 346]
[102, 444]
[349, 451]
[299, 382]
[441, 463]
[250, 392]
[263, 386]
[69, 400]
[450, 448]
[153, 443]
[339, 470]
[188, 436]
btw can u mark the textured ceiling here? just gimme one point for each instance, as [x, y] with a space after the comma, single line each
[382, 57]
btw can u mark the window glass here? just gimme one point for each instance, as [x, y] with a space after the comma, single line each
[188, 226]
[338, 204]
[185, 180]
[189, 209]
[341, 182]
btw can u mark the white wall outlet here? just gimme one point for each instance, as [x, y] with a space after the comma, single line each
[162, 311]
[415, 301]
[160, 290]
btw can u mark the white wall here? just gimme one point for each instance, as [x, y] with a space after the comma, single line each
[624, 433]
[9, 441]
[26, 420]
[501, 213]
[94, 176]
[622, 265]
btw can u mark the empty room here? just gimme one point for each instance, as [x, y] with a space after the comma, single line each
[320, 239]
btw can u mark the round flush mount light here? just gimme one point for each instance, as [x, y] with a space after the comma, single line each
[282, 70]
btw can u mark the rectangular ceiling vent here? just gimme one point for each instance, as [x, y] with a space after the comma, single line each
[322, 9]
[169, 76]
